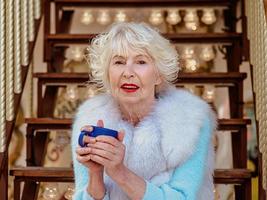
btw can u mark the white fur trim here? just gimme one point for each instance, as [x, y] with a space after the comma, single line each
[162, 141]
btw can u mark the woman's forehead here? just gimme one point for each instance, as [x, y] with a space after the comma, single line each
[127, 52]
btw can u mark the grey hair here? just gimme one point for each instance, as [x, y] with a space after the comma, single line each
[138, 37]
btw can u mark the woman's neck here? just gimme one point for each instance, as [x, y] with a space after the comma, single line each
[134, 113]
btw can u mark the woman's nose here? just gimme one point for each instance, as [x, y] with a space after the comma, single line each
[128, 71]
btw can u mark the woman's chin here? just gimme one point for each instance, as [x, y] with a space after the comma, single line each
[129, 100]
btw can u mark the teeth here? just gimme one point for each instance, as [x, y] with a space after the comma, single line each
[130, 87]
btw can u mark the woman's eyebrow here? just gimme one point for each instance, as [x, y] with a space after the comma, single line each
[141, 55]
[117, 56]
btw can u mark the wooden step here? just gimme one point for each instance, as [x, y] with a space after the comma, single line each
[57, 124]
[57, 174]
[218, 78]
[176, 38]
[142, 3]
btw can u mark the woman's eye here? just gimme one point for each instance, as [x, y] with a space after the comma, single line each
[141, 62]
[118, 63]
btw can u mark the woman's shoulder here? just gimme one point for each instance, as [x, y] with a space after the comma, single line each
[182, 102]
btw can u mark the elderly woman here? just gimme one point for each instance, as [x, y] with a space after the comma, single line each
[163, 150]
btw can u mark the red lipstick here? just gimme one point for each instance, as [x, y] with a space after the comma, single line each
[129, 87]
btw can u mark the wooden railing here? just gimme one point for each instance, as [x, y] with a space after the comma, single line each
[256, 11]
[19, 23]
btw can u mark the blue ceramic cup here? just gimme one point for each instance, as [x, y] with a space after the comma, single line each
[96, 132]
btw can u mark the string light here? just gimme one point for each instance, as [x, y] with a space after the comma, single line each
[207, 53]
[71, 92]
[51, 192]
[156, 17]
[77, 53]
[209, 93]
[208, 16]
[69, 193]
[173, 17]
[87, 17]
[121, 16]
[103, 17]
[191, 19]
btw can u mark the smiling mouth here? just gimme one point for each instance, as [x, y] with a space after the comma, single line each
[129, 88]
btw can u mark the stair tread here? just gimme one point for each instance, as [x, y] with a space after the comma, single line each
[63, 173]
[238, 121]
[129, 3]
[175, 37]
[56, 123]
[182, 75]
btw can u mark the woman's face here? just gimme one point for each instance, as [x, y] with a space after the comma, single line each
[133, 78]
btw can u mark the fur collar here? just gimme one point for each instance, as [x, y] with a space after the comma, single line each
[163, 140]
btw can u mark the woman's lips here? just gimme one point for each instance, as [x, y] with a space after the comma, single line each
[129, 87]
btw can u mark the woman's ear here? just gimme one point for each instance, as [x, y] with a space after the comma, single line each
[159, 79]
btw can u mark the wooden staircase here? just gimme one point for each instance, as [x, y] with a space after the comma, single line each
[48, 84]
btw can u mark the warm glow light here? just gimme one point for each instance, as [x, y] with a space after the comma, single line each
[191, 19]
[207, 53]
[120, 16]
[87, 17]
[173, 17]
[103, 17]
[208, 16]
[156, 17]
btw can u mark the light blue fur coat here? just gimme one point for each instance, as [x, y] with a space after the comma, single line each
[163, 148]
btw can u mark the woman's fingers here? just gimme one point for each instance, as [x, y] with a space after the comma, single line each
[108, 139]
[83, 150]
[100, 123]
[105, 154]
[121, 135]
[88, 139]
[84, 158]
[87, 128]
[103, 146]
[100, 160]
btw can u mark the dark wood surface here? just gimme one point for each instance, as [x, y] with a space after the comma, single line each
[219, 78]
[54, 123]
[46, 174]
[177, 38]
[141, 3]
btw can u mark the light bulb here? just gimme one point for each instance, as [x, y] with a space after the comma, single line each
[69, 193]
[173, 17]
[103, 17]
[191, 65]
[120, 16]
[77, 53]
[51, 192]
[191, 19]
[207, 53]
[209, 93]
[87, 17]
[71, 93]
[156, 17]
[188, 52]
[208, 16]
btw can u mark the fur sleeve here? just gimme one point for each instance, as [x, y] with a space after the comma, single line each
[190, 178]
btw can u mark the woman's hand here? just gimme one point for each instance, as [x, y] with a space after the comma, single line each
[109, 152]
[83, 153]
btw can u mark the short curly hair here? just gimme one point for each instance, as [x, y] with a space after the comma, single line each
[135, 36]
